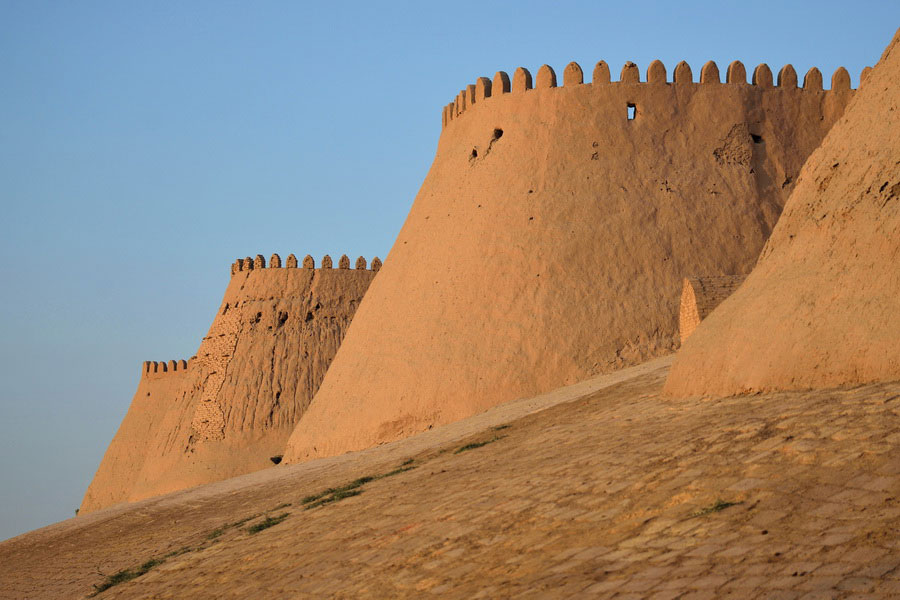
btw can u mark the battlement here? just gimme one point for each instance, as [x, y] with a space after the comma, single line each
[259, 262]
[484, 88]
[152, 367]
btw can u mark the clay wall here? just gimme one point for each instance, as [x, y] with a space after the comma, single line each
[821, 308]
[550, 237]
[230, 408]
[699, 296]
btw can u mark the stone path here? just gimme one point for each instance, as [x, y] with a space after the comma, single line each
[610, 491]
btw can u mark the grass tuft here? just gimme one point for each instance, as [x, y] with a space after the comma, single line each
[268, 522]
[719, 505]
[396, 471]
[126, 575]
[351, 489]
[334, 497]
[225, 527]
[474, 445]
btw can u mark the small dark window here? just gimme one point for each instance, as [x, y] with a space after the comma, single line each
[757, 139]
[474, 153]
[631, 111]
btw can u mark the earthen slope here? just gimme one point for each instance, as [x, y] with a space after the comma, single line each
[234, 406]
[549, 239]
[822, 306]
[616, 493]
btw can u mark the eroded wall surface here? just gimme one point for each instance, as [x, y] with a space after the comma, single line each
[233, 406]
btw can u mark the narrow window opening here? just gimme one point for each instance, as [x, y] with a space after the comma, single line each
[631, 111]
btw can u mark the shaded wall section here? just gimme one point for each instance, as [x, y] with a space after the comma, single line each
[549, 239]
[822, 307]
[239, 398]
[699, 296]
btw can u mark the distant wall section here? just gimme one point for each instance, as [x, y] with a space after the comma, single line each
[230, 408]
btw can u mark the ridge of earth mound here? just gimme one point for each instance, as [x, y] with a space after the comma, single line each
[822, 306]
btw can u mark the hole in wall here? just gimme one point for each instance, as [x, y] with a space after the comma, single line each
[498, 133]
[757, 139]
[474, 153]
[632, 111]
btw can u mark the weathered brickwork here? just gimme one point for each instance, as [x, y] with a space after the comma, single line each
[700, 295]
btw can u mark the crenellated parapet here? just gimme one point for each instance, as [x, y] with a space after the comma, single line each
[291, 262]
[573, 76]
[152, 367]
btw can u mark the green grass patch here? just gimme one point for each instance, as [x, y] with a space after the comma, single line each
[356, 483]
[179, 552]
[335, 497]
[242, 521]
[226, 526]
[126, 575]
[717, 506]
[351, 489]
[268, 522]
[474, 445]
[396, 471]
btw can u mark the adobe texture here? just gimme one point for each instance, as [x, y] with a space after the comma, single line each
[822, 307]
[550, 237]
[699, 296]
[233, 406]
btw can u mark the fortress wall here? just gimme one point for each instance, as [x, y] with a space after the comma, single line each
[549, 240]
[821, 308]
[235, 403]
[699, 296]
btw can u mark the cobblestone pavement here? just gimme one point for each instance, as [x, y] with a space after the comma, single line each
[618, 493]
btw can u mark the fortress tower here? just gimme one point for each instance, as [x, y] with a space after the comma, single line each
[550, 237]
[231, 408]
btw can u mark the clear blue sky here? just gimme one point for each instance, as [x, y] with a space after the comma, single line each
[145, 145]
